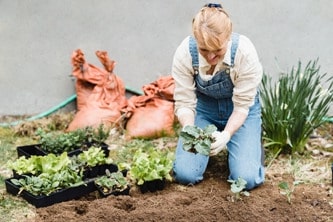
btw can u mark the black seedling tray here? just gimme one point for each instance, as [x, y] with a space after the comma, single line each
[35, 149]
[152, 186]
[53, 198]
[30, 150]
[99, 170]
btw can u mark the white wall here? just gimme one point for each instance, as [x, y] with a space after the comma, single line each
[38, 36]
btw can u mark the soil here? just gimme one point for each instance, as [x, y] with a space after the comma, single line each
[210, 200]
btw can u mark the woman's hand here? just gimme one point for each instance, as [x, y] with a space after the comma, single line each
[221, 140]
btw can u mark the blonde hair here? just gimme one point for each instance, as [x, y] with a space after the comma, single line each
[212, 27]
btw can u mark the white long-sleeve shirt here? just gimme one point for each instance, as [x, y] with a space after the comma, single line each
[246, 76]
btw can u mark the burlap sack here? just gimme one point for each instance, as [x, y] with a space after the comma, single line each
[152, 114]
[100, 92]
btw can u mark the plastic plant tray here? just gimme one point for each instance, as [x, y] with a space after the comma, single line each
[53, 198]
[35, 149]
[30, 150]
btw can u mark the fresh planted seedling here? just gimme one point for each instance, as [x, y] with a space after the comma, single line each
[287, 190]
[237, 187]
[197, 140]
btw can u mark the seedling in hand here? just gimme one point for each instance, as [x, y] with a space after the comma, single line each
[197, 140]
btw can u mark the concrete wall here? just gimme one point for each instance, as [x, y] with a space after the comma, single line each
[37, 38]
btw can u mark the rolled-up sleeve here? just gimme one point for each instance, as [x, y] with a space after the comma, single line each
[182, 72]
[247, 75]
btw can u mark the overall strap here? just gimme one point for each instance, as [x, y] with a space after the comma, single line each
[194, 51]
[194, 55]
[234, 46]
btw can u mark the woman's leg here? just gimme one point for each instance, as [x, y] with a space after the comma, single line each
[245, 153]
[188, 167]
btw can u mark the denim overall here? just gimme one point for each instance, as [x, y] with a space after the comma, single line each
[214, 106]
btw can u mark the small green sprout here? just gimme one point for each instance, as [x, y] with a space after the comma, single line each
[237, 187]
[287, 190]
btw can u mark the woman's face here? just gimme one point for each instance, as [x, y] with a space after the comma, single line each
[213, 56]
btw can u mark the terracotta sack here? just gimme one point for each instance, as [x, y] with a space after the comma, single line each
[100, 92]
[152, 114]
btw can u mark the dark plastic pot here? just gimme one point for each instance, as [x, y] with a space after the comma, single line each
[111, 167]
[105, 193]
[92, 172]
[30, 150]
[152, 186]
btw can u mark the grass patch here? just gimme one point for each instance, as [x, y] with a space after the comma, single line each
[12, 208]
[15, 209]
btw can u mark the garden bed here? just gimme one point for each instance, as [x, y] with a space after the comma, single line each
[210, 200]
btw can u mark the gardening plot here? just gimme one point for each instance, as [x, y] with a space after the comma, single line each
[210, 200]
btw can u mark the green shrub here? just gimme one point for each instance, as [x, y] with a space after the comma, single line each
[294, 106]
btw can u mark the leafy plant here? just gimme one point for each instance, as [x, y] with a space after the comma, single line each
[55, 142]
[197, 140]
[93, 156]
[237, 188]
[50, 173]
[45, 184]
[111, 182]
[294, 106]
[151, 164]
[287, 190]
[39, 164]
[23, 165]
[97, 135]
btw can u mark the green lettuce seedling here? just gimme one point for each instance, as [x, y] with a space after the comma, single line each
[151, 164]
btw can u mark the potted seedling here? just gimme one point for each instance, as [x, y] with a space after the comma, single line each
[58, 142]
[114, 183]
[45, 180]
[197, 140]
[151, 167]
[95, 162]
[24, 166]
[73, 142]
[44, 174]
